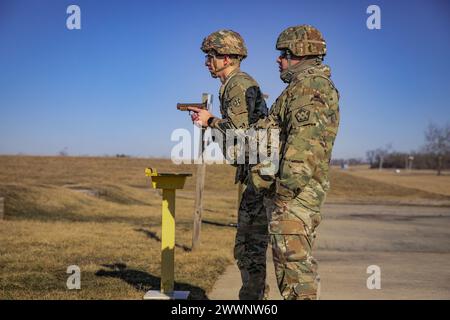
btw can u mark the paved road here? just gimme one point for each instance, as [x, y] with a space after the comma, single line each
[410, 244]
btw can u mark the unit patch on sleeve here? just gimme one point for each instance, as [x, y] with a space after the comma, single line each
[302, 115]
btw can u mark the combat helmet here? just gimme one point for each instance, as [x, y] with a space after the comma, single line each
[303, 40]
[225, 42]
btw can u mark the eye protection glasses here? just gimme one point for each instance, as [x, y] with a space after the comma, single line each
[210, 57]
[285, 54]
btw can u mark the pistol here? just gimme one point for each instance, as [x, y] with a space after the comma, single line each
[184, 106]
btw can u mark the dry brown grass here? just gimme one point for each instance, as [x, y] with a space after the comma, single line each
[425, 180]
[102, 215]
[366, 187]
[50, 225]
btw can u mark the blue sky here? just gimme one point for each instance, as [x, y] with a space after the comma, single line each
[112, 86]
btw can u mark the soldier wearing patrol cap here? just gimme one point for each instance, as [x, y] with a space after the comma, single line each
[241, 104]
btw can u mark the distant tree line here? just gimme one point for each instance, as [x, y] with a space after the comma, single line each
[122, 155]
[350, 162]
[403, 160]
[435, 154]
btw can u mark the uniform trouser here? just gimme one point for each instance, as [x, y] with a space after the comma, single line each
[251, 243]
[292, 233]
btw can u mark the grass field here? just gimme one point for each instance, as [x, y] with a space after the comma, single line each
[102, 215]
[425, 180]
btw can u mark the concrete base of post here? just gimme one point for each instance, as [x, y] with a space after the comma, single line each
[158, 295]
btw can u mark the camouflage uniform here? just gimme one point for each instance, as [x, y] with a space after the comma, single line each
[242, 104]
[307, 114]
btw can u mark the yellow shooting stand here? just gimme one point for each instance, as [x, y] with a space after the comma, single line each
[168, 182]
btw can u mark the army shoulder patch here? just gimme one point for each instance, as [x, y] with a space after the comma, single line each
[235, 102]
[302, 115]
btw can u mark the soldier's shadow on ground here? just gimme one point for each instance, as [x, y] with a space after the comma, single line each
[144, 281]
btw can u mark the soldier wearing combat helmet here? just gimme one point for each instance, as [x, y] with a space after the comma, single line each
[241, 104]
[220, 44]
[307, 114]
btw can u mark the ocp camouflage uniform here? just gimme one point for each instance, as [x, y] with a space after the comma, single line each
[307, 114]
[242, 104]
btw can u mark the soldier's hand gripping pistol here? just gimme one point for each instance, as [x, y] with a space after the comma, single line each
[197, 108]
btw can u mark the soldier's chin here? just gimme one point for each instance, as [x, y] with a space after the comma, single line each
[213, 75]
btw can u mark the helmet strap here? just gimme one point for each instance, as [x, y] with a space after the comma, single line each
[216, 70]
[286, 76]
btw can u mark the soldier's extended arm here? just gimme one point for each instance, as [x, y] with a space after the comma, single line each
[247, 105]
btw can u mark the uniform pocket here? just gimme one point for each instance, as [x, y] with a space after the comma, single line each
[297, 247]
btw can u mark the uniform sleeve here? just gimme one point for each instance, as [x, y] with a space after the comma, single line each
[256, 105]
[309, 125]
[246, 105]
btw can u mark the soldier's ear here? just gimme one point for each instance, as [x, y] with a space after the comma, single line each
[227, 60]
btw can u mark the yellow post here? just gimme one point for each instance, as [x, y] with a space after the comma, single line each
[168, 182]
[168, 241]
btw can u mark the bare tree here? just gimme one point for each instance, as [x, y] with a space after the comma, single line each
[371, 157]
[382, 153]
[437, 141]
[378, 155]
